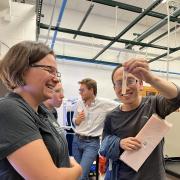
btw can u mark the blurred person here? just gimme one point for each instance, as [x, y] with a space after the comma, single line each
[89, 119]
[55, 101]
[30, 148]
[124, 122]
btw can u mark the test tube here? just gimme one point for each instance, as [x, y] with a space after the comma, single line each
[124, 82]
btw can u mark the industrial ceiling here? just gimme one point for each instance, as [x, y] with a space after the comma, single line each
[149, 13]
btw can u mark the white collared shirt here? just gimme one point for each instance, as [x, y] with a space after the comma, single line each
[94, 116]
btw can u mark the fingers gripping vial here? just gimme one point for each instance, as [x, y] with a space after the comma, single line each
[124, 82]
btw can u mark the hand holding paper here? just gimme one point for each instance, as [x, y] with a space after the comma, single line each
[149, 136]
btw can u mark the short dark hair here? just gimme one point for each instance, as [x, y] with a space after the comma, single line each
[18, 59]
[115, 69]
[90, 83]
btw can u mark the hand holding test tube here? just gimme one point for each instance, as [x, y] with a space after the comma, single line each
[124, 81]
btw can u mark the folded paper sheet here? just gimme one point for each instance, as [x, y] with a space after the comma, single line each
[150, 136]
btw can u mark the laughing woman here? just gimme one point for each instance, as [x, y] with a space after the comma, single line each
[30, 147]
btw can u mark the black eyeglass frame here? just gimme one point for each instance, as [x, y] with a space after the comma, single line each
[118, 84]
[47, 68]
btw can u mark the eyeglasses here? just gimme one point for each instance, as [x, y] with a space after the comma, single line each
[130, 82]
[81, 90]
[50, 69]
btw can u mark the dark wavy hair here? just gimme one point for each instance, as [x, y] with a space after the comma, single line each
[113, 72]
[18, 59]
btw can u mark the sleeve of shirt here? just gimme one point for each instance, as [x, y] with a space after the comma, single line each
[166, 106]
[110, 147]
[110, 143]
[109, 105]
[17, 127]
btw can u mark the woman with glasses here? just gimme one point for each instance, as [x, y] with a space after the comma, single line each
[124, 122]
[30, 147]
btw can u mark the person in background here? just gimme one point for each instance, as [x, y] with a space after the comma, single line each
[48, 107]
[124, 122]
[30, 147]
[89, 119]
[55, 101]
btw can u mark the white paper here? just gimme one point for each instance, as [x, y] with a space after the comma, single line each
[150, 136]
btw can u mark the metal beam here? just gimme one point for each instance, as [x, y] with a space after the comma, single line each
[153, 28]
[100, 46]
[84, 19]
[78, 59]
[162, 35]
[38, 17]
[165, 54]
[86, 60]
[98, 36]
[136, 20]
[135, 9]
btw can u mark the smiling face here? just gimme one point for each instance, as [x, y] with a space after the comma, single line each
[40, 82]
[131, 98]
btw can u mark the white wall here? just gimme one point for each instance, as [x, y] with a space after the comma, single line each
[21, 25]
[172, 146]
[72, 72]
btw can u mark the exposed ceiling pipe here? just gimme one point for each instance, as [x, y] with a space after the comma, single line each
[78, 59]
[63, 5]
[100, 46]
[86, 60]
[86, 34]
[153, 28]
[84, 19]
[135, 9]
[165, 54]
[137, 19]
[98, 36]
[162, 35]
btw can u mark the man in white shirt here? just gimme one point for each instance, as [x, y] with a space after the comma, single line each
[89, 121]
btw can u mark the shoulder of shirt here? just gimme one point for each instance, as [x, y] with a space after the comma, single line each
[106, 100]
[111, 113]
[11, 100]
